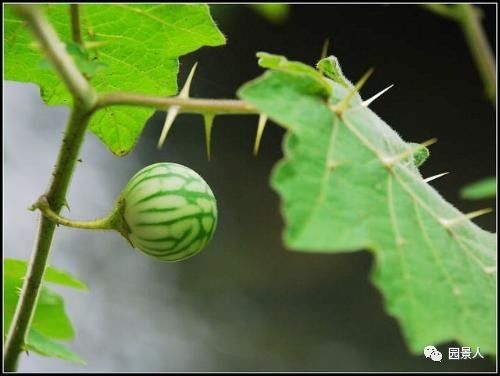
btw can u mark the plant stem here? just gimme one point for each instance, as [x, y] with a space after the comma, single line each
[84, 102]
[443, 10]
[469, 18]
[68, 154]
[192, 105]
[479, 47]
[75, 24]
[56, 52]
[104, 223]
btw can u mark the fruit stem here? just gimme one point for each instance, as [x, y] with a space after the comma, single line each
[105, 223]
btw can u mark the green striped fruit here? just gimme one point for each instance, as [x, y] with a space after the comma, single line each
[168, 211]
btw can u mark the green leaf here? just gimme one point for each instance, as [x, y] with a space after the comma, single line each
[281, 63]
[330, 67]
[275, 13]
[421, 155]
[137, 45]
[17, 269]
[63, 278]
[50, 320]
[50, 317]
[88, 66]
[346, 184]
[42, 345]
[484, 188]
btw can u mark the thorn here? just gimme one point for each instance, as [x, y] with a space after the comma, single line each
[260, 130]
[435, 177]
[169, 120]
[66, 204]
[37, 203]
[184, 93]
[174, 110]
[342, 105]
[324, 49]
[368, 101]
[474, 214]
[209, 120]
[389, 162]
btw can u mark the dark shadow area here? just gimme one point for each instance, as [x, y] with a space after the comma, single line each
[277, 310]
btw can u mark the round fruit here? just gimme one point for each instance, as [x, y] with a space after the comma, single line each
[169, 211]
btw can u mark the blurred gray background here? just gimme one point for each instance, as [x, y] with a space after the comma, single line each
[245, 303]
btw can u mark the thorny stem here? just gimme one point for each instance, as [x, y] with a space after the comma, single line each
[191, 105]
[56, 193]
[85, 103]
[84, 100]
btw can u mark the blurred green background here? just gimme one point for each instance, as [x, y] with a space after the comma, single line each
[246, 303]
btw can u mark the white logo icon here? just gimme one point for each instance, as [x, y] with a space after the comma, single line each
[433, 353]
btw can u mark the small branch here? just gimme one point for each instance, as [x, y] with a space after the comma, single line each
[443, 10]
[105, 223]
[469, 18]
[75, 24]
[201, 106]
[56, 53]
[479, 47]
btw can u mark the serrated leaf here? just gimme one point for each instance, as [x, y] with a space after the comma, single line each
[139, 45]
[281, 63]
[42, 345]
[339, 194]
[484, 188]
